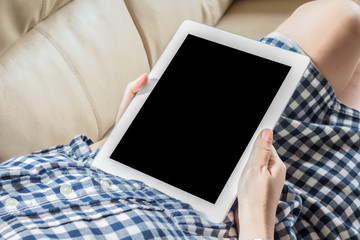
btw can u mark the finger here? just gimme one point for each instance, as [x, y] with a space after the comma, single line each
[261, 151]
[276, 166]
[130, 92]
[138, 84]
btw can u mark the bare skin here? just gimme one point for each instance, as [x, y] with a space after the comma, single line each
[259, 190]
[329, 32]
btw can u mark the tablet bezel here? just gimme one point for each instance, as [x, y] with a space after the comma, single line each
[213, 212]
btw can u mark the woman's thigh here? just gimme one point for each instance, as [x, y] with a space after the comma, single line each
[329, 32]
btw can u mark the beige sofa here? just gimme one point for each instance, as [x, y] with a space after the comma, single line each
[64, 64]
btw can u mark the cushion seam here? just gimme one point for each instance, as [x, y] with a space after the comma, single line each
[77, 75]
[141, 34]
[43, 9]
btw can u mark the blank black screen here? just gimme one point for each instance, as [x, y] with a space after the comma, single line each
[199, 118]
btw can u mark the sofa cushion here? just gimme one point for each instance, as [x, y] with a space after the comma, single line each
[67, 76]
[19, 16]
[157, 21]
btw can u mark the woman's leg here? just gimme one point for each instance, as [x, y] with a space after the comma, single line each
[351, 93]
[329, 32]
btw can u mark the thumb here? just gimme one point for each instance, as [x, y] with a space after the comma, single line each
[262, 150]
[131, 90]
[138, 84]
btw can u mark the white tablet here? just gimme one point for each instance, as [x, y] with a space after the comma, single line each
[190, 131]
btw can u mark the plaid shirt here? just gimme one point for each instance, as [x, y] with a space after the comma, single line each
[55, 193]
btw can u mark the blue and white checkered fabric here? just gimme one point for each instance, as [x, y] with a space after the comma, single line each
[318, 138]
[56, 194]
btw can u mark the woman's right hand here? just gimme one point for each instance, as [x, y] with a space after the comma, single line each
[259, 189]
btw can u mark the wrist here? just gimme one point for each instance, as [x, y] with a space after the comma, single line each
[93, 147]
[256, 226]
[256, 232]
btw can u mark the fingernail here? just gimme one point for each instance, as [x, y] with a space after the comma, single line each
[267, 135]
[140, 83]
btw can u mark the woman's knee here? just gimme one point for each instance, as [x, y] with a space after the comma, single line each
[324, 16]
[348, 14]
[329, 32]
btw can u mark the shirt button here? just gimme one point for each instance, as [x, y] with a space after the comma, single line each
[104, 184]
[66, 189]
[11, 202]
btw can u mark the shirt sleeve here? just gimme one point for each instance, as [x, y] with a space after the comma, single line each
[78, 149]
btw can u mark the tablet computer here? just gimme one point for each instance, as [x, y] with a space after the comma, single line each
[190, 131]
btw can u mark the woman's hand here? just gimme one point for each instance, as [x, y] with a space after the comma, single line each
[131, 90]
[259, 189]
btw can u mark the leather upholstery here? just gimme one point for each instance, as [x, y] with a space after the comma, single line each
[257, 18]
[18, 16]
[157, 23]
[66, 76]
[64, 64]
